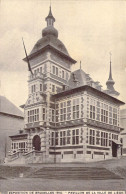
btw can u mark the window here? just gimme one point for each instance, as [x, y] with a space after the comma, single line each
[68, 109]
[98, 138]
[22, 146]
[110, 115]
[44, 112]
[62, 74]
[41, 87]
[57, 115]
[33, 88]
[76, 114]
[56, 138]
[63, 111]
[53, 139]
[53, 69]
[92, 112]
[57, 71]
[68, 136]
[115, 116]
[33, 115]
[110, 142]
[92, 137]
[61, 138]
[64, 137]
[98, 111]
[104, 116]
[75, 136]
[104, 139]
[53, 115]
[53, 88]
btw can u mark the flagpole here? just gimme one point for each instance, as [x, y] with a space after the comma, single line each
[29, 67]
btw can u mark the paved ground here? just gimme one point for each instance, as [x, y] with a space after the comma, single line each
[27, 184]
[40, 184]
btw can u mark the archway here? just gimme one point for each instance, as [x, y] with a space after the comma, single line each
[114, 149]
[36, 143]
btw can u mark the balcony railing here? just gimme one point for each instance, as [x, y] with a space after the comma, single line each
[103, 125]
[37, 75]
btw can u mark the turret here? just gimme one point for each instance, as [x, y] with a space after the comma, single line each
[110, 83]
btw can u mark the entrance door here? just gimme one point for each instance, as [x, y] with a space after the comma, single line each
[37, 142]
[114, 149]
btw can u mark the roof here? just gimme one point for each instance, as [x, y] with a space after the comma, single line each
[49, 46]
[80, 78]
[90, 89]
[9, 108]
[49, 40]
[19, 135]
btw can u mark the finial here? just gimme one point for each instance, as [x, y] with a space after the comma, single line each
[50, 19]
[80, 64]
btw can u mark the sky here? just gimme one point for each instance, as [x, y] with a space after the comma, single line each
[90, 30]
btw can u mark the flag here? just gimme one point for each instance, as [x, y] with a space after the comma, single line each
[29, 67]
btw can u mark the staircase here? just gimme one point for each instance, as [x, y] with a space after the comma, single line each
[26, 158]
[74, 173]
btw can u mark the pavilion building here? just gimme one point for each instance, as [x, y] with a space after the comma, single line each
[68, 116]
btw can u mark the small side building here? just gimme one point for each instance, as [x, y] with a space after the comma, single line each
[11, 121]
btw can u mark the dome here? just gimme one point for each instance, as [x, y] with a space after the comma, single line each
[49, 30]
[52, 41]
[50, 37]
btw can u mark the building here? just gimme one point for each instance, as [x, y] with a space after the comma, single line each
[123, 132]
[68, 116]
[11, 120]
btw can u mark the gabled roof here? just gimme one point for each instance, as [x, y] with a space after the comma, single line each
[8, 107]
[89, 89]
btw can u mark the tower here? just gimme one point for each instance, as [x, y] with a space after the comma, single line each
[51, 66]
[110, 83]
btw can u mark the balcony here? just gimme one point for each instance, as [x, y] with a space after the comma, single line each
[35, 76]
[102, 125]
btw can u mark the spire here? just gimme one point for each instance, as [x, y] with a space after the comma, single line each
[50, 19]
[110, 81]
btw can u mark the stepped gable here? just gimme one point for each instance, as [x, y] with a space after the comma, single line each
[8, 107]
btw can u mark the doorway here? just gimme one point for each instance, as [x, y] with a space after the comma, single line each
[114, 149]
[36, 143]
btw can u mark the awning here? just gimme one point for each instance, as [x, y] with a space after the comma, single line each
[117, 142]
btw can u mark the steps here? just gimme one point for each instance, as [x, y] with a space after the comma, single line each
[74, 173]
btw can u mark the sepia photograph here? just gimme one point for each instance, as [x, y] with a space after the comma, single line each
[62, 96]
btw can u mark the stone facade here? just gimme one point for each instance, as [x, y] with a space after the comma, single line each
[68, 117]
